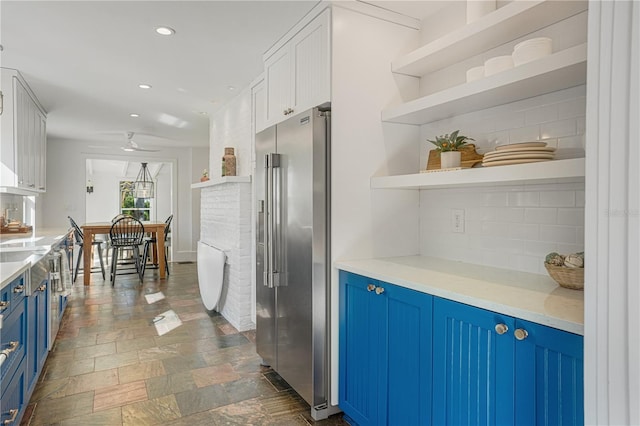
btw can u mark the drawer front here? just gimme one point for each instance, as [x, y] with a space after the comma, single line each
[18, 291]
[14, 399]
[14, 337]
[5, 300]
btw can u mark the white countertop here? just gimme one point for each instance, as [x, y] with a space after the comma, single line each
[531, 297]
[37, 244]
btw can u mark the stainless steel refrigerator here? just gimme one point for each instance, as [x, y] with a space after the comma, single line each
[292, 253]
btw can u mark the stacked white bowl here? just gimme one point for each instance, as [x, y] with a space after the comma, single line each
[497, 64]
[530, 50]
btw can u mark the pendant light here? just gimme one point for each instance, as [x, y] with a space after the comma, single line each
[143, 186]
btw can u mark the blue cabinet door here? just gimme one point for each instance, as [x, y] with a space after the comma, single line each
[38, 339]
[14, 398]
[472, 366]
[361, 346]
[549, 376]
[406, 392]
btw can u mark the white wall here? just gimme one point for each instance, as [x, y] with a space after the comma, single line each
[231, 127]
[66, 188]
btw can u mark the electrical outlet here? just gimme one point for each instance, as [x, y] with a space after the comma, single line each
[457, 220]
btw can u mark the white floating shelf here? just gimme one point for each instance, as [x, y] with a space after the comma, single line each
[221, 180]
[544, 172]
[507, 23]
[561, 70]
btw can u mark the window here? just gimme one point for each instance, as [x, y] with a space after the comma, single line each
[140, 208]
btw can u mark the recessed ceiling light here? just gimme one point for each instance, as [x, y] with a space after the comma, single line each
[144, 86]
[134, 115]
[231, 88]
[166, 31]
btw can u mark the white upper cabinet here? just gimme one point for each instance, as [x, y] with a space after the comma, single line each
[23, 136]
[297, 75]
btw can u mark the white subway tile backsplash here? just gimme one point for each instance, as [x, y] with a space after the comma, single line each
[571, 142]
[524, 134]
[541, 215]
[521, 231]
[543, 114]
[558, 129]
[523, 199]
[525, 263]
[558, 199]
[558, 234]
[509, 120]
[539, 248]
[572, 108]
[573, 217]
[496, 199]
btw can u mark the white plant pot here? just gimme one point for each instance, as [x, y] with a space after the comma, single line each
[450, 159]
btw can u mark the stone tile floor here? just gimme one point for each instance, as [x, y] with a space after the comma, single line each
[110, 367]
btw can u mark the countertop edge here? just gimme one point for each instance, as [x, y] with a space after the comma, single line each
[15, 268]
[360, 267]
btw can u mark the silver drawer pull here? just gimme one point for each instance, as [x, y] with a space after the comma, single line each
[18, 289]
[14, 414]
[521, 334]
[4, 305]
[42, 288]
[379, 290]
[371, 287]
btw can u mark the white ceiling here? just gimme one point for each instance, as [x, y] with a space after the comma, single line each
[85, 59]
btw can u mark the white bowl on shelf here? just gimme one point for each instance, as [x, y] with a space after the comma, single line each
[497, 64]
[532, 49]
[475, 73]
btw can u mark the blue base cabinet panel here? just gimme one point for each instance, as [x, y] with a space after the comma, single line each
[549, 376]
[14, 398]
[38, 337]
[409, 358]
[473, 366]
[493, 369]
[385, 352]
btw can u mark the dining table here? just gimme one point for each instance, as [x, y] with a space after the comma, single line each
[90, 230]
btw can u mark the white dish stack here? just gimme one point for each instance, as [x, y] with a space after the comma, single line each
[519, 153]
[530, 50]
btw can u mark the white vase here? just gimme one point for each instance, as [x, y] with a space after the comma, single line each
[476, 9]
[450, 159]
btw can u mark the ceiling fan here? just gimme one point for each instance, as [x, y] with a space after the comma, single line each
[131, 146]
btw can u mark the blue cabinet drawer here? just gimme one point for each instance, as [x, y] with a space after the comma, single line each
[14, 338]
[12, 295]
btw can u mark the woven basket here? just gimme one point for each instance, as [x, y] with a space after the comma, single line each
[572, 278]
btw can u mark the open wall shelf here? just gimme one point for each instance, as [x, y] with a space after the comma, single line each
[553, 171]
[561, 70]
[507, 23]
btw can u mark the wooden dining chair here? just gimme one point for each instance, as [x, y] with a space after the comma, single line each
[152, 240]
[79, 241]
[126, 233]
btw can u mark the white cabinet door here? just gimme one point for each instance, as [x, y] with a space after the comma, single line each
[312, 64]
[29, 140]
[278, 79]
[297, 76]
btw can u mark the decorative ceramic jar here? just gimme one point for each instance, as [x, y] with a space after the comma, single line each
[229, 162]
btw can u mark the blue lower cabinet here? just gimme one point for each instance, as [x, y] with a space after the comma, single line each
[38, 338]
[14, 398]
[13, 337]
[385, 347]
[492, 369]
[549, 376]
[472, 366]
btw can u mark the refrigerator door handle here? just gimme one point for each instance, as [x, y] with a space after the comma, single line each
[275, 241]
[267, 221]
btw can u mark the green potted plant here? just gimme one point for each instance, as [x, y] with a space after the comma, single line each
[448, 147]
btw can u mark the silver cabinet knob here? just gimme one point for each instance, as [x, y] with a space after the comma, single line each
[371, 287]
[521, 333]
[379, 290]
[501, 328]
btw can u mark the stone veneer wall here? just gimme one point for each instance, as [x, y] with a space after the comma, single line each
[225, 215]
